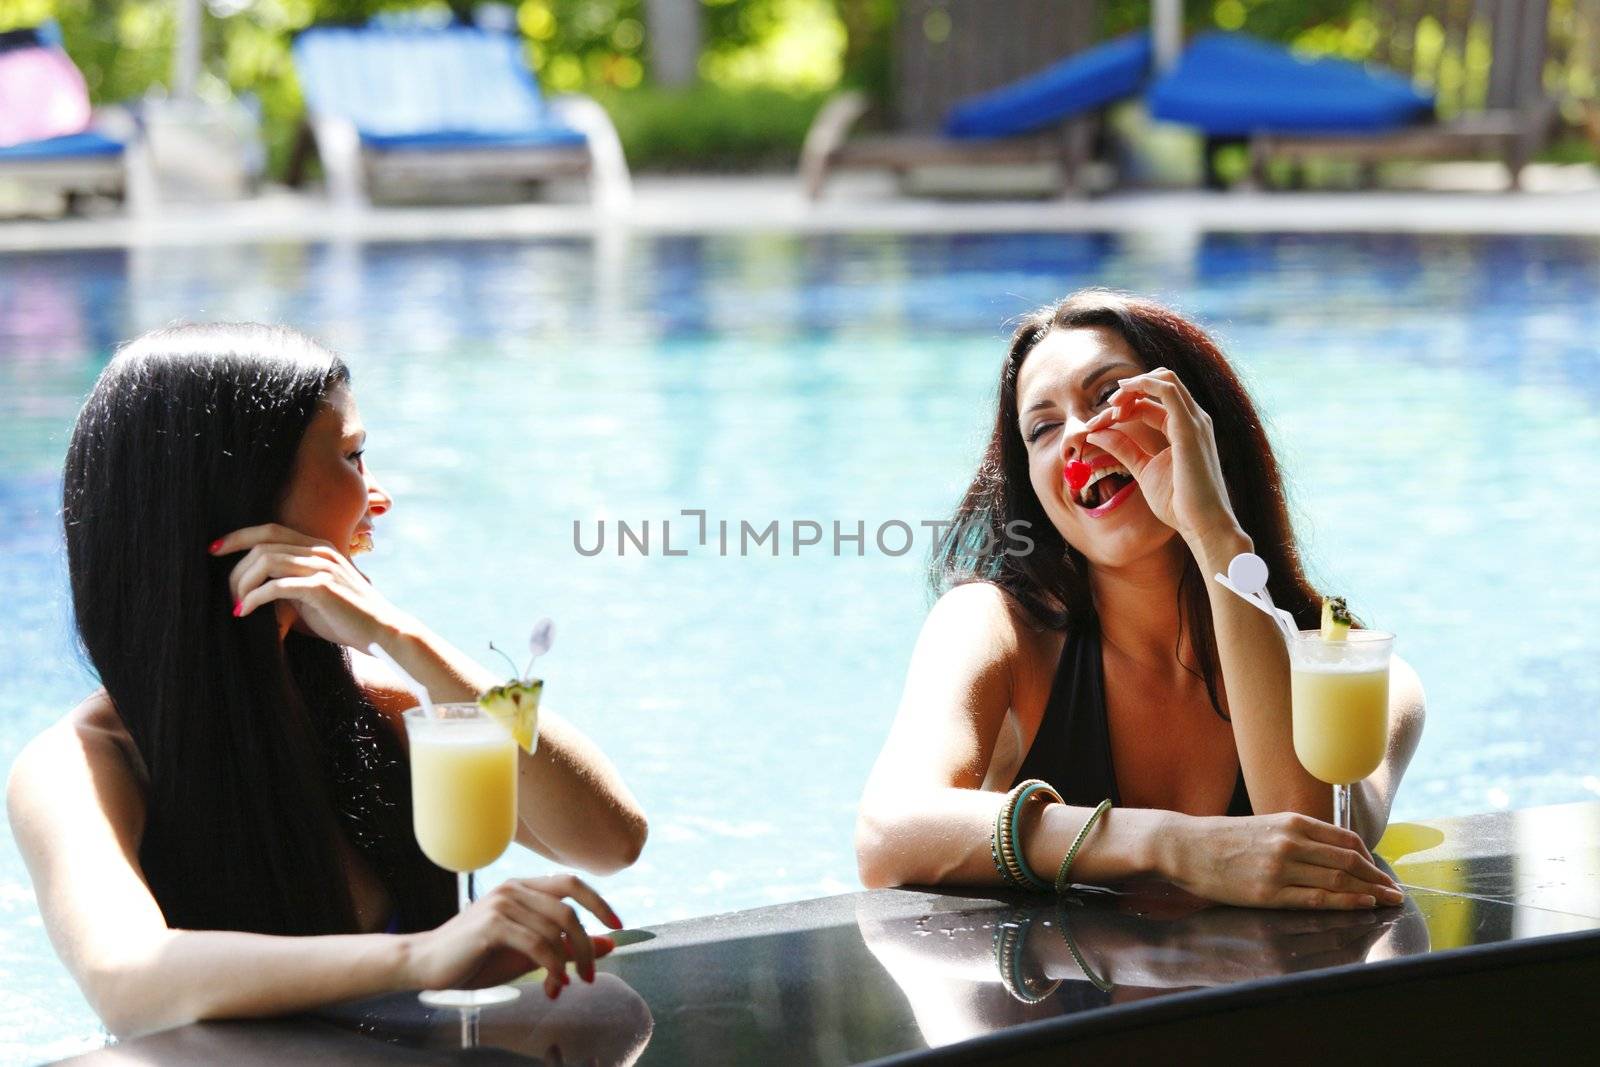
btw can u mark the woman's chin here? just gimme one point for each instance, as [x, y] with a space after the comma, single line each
[1135, 537]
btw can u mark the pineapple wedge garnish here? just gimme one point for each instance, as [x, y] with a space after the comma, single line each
[1335, 619]
[515, 706]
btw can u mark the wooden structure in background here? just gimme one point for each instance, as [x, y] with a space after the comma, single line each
[1442, 45]
[946, 51]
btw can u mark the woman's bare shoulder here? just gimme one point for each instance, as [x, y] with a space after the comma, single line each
[985, 614]
[979, 607]
[86, 756]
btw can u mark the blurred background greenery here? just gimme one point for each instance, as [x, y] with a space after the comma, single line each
[765, 66]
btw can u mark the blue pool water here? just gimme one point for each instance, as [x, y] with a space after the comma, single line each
[1436, 401]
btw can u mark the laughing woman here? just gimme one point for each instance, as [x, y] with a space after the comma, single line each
[1104, 662]
[224, 829]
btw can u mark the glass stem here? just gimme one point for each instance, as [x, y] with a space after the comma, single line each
[466, 890]
[1341, 807]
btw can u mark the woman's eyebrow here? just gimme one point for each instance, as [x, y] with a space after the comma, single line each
[1098, 372]
[1087, 383]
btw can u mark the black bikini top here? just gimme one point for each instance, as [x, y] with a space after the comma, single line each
[1072, 750]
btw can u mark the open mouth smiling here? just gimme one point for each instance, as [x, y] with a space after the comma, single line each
[1108, 485]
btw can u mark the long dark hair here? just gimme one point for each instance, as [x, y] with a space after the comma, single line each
[1052, 580]
[261, 752]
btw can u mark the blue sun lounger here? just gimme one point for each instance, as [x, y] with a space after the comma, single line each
[1293, 110]
[1009, 125]
[439, 104]
[41, 92]
[1231, 85]
[1093, 78]
[1233, 88]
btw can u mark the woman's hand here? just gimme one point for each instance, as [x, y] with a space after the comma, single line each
[1285, 860]
[1154, 428]
[330, 596]
[519, 925]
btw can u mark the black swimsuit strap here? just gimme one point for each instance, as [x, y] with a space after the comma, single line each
[1072, 750]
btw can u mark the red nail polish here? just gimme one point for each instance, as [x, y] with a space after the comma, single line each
[238, 607]
[216, 546]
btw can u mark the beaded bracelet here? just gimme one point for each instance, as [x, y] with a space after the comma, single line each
[994, 846]
[1102, 984]
[1009, 937]
[1077, 843]
[999, 844]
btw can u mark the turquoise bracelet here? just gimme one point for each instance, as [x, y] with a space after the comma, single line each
[1025, 791]
[1009, 938]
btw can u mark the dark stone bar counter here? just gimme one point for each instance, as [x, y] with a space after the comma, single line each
[1495, 955]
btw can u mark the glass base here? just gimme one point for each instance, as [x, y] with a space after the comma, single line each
[468, 998]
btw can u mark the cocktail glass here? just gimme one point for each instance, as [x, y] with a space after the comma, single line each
[464, 808]
[1340, 696]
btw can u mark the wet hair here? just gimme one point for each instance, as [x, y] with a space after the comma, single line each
[1052, 581]
[262, 752]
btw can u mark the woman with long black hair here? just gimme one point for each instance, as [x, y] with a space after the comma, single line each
[224, 829]
[1094, 655]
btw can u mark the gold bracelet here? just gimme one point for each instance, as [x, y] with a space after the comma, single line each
[998, 841]
[1102, 984]
[1077, 843]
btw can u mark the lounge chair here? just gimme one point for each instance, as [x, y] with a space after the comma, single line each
[1369, 118]
[983, 82]
[1233, 87]
[406, 103]
[50, 137]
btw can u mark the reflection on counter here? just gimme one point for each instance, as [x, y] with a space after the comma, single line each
[972, 971]
[855, 978]
[606, 1024]
[1547, 860]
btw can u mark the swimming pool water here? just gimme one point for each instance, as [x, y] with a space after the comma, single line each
[1435, 401]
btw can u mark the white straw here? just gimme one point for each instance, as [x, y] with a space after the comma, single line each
[416, 688]
[1252, 573]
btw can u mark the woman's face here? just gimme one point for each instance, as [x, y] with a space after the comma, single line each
[1065, 381]
[332, 496]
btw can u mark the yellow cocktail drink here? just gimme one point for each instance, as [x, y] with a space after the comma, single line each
[463, 808]
[1339, 694]
[464, 793]
[1341, 721]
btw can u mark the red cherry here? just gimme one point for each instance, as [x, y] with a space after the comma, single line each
[1077, 474]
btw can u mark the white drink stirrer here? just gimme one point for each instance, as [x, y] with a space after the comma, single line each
[1247, 578]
